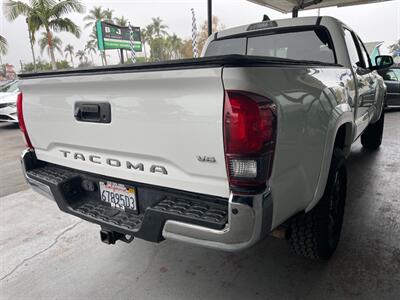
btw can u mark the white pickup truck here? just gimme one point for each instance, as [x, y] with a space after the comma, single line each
[219, 151]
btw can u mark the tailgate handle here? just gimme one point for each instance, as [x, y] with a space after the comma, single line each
[93, 112]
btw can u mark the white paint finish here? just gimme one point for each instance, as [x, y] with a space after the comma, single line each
[309, 102]
[179, 119]
[169, 117]
[312, 105]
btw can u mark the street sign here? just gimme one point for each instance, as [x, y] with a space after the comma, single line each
[111, 36]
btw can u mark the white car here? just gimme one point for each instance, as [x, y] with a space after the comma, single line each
[8, 102]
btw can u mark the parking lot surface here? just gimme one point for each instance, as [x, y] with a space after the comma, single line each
[11, 146]
[48, 254]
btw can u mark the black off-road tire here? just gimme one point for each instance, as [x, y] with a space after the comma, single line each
[316, 234]
[372, 136]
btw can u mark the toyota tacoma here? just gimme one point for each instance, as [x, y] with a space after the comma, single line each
[221, 151]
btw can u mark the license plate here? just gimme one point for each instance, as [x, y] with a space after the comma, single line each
[118, 195]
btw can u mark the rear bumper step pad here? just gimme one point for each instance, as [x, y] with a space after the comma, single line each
[156, 206]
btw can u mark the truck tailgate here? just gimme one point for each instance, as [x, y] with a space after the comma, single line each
[161, 122]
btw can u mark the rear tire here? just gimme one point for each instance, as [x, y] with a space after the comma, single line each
[372, 136]
[316, 234]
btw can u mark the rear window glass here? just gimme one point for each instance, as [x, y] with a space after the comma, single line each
[313, 45]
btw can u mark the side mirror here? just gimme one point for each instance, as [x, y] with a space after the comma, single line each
[383, 62]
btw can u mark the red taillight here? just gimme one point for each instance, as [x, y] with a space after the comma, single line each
[22, 121]
[249, 134]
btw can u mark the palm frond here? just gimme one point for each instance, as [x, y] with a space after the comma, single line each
[69, 50]
[96, 13]
[57, 44]
[44, 43]
[14, 9]
[3, 45]
[81, 55]
[91, 47]
[121, 21]
[65, 24]
[67, 6]
[108, 15]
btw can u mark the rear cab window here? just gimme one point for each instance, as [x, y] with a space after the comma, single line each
[305, 45]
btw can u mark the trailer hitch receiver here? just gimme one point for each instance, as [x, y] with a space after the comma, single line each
[111, 237]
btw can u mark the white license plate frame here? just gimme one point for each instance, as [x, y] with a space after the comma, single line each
[118, 195]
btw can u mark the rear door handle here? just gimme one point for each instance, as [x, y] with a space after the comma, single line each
[95, 112]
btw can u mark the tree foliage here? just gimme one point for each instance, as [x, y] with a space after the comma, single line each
[81, 55]
[43, 65]
[44, 44]
[163, 46]
[49, 15]
[202, 36]
[52, 17]
[69, 51]
[94, 15]
[90, 48]
[121, 21]
[3, 48]
[3, 45]
[97, 13]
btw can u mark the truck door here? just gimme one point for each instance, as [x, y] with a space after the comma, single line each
[371, 104]
[365, 83]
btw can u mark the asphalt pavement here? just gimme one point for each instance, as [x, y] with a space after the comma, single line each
[11, 146]
[46, 254]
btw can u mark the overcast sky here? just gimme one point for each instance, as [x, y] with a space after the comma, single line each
[373, 22]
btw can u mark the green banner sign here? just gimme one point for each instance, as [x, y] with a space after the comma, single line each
[111, 36]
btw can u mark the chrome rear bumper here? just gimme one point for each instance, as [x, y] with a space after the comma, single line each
[246, 226]
[27, 162]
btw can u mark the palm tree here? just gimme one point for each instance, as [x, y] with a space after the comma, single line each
[90, 48]
[108, 15]
[81, 55]
[158, 28]
[55, 42]
[47, 14]
[97, 14]
[175, 45]
[69, 50]
[146, 34]
[121, 21]
[32, 28]
[23, 10]
[3, 47]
